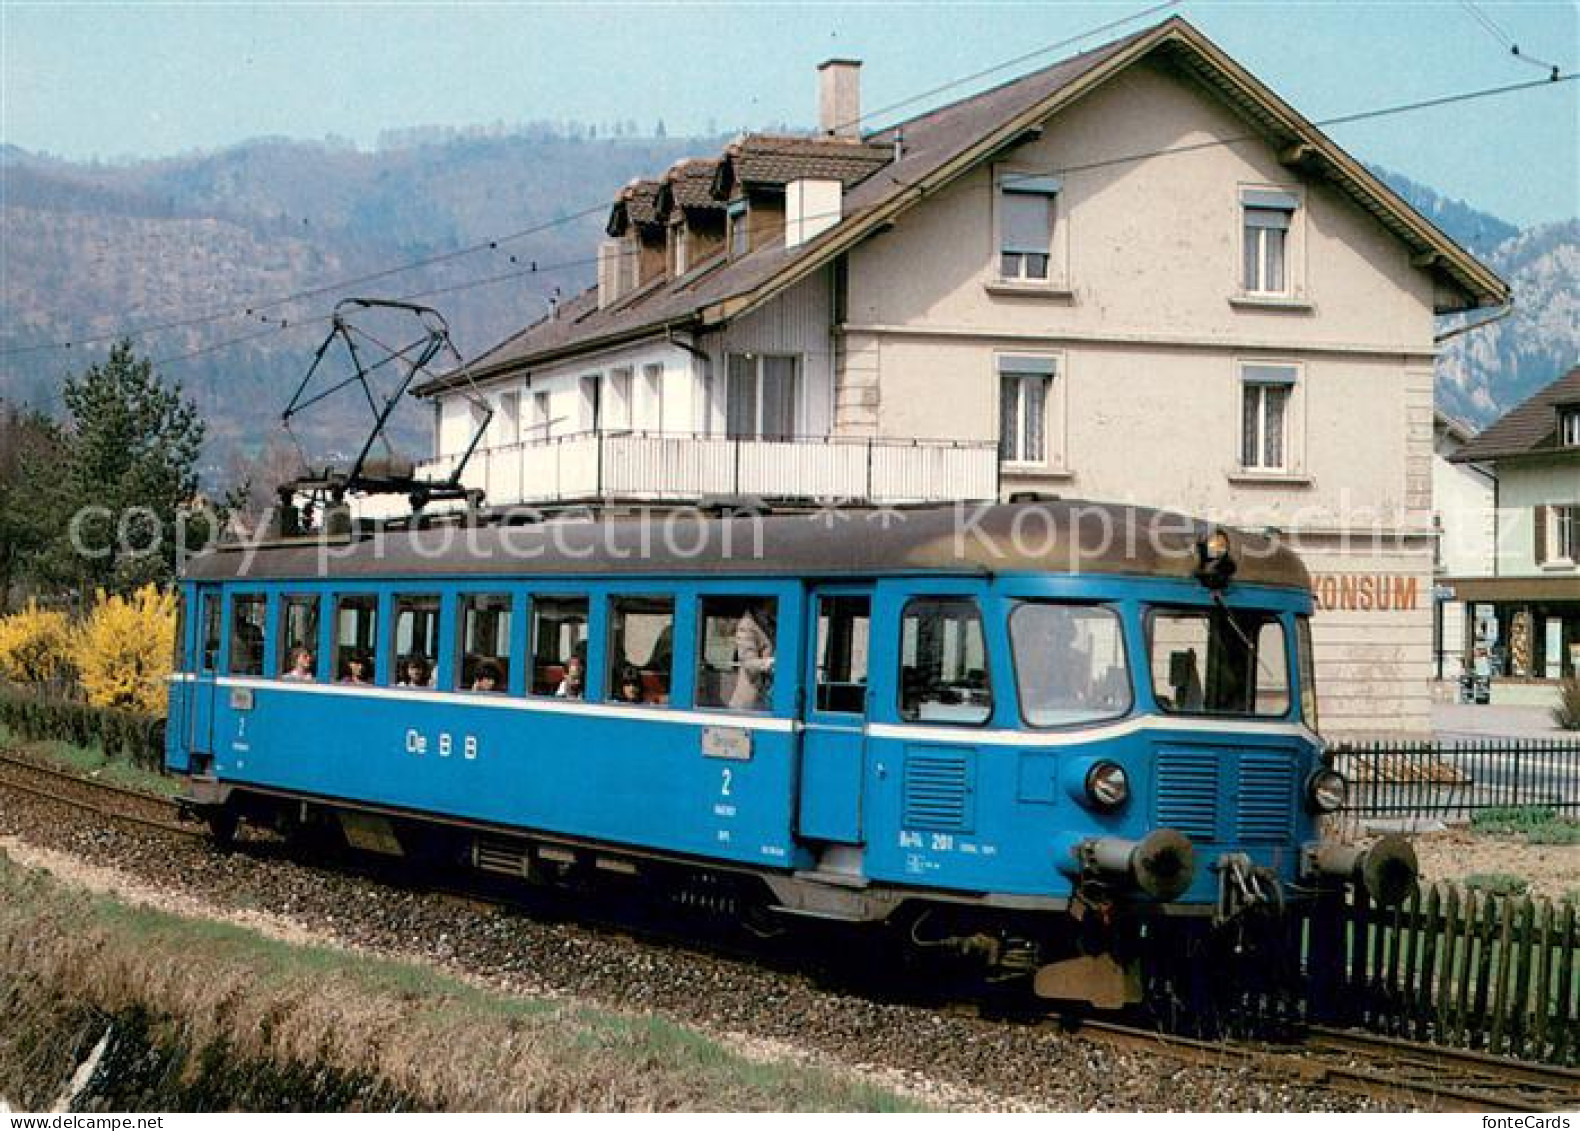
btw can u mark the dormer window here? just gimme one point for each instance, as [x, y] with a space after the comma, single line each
[1569, 428]
[740, 234]
[682, 257]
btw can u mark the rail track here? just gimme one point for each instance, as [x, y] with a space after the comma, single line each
[113, 802]
[1424, 1076]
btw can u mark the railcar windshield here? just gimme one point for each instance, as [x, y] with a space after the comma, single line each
[1219, 661]
[1070, 664]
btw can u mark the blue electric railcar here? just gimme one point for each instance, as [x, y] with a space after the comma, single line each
[1023, 732]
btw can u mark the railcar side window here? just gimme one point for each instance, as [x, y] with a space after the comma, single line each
[416, 641]
[356, 631]
[736, 652]
[1307, 671]
[641, 649]
[247, 616]
[943, 663]
[298, 659]
[1218, 662]
[559, 646]
[208, 645]
[1070, 665]
[484, 652]
[842, 639]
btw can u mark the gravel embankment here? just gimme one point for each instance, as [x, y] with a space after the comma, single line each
[940, 1058]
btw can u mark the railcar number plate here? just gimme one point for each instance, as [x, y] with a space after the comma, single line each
[727, 742]
[241, 699]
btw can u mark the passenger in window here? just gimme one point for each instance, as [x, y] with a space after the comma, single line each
[754, 653]
[487, 677]
[628, 686]
[573, 686]
[301, 669]
[418, 673]
[359, 669]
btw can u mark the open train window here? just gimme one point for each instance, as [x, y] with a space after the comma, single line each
[248, 614]
[736, 652]
[483, 662]
[298, 658]
[842, 638]
[356, 630]
[559, 646]
[416, 642]
[1219, 661]
[641, 649]
[1070, 663]
[208, 643]
[943, 662]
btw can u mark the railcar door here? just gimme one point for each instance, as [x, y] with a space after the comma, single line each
[200, 705]
[833, 737]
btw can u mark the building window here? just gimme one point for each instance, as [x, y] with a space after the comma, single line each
[541, 421]
[1264, 429]
[740, 234]
[1024, 384]
[1557, 535]
[1026, 204]
[678, 241]
[1268, 218]
[1569, 428]
[653, 398]
[507, 420]
[590, 387]
[617, 404]
[760, 403]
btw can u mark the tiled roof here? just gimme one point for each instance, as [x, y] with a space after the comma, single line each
[689, 184]
[1529, 428]
[937, 146]
[636, 204]
[768, 159]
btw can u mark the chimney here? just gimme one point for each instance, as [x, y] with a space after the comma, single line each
[839, 98]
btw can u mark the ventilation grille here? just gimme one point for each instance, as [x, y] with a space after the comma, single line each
[938, 792]
[1266, 797]
[1187, 793]
[502, 857]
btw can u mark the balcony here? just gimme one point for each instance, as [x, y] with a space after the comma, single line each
[676, 468]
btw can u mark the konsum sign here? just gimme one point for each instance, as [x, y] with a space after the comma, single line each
[1366, 592]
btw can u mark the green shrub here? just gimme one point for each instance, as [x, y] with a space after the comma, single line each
[1498, 883]
[122, 735]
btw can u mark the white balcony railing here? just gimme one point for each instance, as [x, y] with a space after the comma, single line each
[665, 467]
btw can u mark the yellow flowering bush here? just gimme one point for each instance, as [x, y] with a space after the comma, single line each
[35, 645]
[124, 650]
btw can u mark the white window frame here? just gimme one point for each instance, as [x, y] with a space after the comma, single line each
[1259, 205]
[616, 404]
[653, 397]
[542, 415]
[1020, 370]
[506, 424]
[589, 393]
[1261, 375]
[682, 248]
[1563, 534]
[1009, 182]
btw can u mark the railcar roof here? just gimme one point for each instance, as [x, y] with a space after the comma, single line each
[1064, 537]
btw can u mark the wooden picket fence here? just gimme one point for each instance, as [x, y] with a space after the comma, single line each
[1452, 966]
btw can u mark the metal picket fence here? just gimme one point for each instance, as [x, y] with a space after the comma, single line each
[1434, 781]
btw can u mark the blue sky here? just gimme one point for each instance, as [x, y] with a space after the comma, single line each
[153, 79]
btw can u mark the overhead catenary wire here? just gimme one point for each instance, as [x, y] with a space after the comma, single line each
[1504, 39]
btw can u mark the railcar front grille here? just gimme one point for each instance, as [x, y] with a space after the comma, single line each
[938, 791]
[1266, 800]
[1188, 791]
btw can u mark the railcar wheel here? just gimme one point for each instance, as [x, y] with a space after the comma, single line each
[222, 825]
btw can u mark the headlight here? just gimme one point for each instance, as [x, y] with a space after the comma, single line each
[1107, 785]
[1327, 791]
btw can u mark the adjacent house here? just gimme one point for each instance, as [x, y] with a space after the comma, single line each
[1524, 611]
[1136, 275]
[1464, 498]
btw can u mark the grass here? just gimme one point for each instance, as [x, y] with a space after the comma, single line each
[427, 1035]
[1537, 824]
[91, 762]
